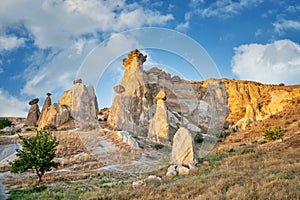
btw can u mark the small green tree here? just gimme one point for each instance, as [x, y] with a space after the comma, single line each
[5, 123]
[37, 154]
[275, 134]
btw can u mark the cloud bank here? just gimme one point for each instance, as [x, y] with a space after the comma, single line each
[277, 62]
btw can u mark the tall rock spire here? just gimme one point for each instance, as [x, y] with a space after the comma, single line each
[129, 105]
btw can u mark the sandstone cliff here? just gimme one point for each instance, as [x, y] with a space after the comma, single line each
[251, 101]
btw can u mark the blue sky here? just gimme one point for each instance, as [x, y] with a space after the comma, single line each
[43, 44]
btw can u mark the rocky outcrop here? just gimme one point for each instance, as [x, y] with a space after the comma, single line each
[159, 127]
[33, 113]
[119, 89]
[46, 105]
[78, 104]
[55, 116]
[183, 149]
[250, 101]
[82, 102]
[130, 104]
[198, 107]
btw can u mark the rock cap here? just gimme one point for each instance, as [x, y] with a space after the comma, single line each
[33, 101]
[161, 95]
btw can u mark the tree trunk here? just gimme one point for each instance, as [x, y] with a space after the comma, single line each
[39, 175]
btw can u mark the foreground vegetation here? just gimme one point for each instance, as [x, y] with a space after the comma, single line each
[37, 154]
[241, 173]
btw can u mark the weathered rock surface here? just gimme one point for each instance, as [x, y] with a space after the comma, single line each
[33, 113]
[128, 108]
[78, 104]
[33, 101]
[171, 172]
[182, 170]
[46, 105]
[55, 116]
[125, 137]
[153, 179]
[159, 127]
[82, 102]
[137, 184]
[77, 81]
[201, 106]
[196, 106]
[119, 89]
[183, 149]
[103, 114]
[251, 101]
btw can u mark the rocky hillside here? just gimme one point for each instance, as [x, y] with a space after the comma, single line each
[208, 106]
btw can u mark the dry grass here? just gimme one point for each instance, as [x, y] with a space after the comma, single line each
[273, 175]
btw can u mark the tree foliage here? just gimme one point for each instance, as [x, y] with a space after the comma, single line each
[5, 123]
[274, 134]
[37, 154]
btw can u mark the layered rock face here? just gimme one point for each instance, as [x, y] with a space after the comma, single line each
[78, 104]
[252, 101]
[33, 113]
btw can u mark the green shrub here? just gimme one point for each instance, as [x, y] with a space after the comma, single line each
[223, 134]
[158, 146]
[246, 151]
[198, 138]
[5, 123]
[231, 150]
[274, 134]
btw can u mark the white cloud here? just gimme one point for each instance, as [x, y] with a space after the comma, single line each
[225, 8]
[1, 69]
[9, 43]
[183, 26]
[11, 106]
[55, 23]
[270, 63]
[282, 25]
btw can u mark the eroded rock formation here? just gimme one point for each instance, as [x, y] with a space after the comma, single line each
[251, 101]
[159, 126]
[201, 106]
[78, 104]
[33, 113]
[128, 108]
[198, 107]
[46, 105]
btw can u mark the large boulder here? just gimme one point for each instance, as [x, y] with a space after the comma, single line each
[159, 127]
[82, 102]
[33, 113]
[183, 149]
